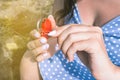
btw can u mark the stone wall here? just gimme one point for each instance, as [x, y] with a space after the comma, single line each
[17, 19]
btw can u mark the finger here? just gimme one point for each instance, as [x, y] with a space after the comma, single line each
[76, 29]
[72, 28]
[58, 31]
[40, 50]
[72, 38]
[43, 56]
[35, 34]
[36, 43]
[51, 18]
[78, 46]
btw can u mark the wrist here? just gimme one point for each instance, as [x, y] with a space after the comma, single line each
[106, 74]
[117, 73]
[105, 69]
[28, 57]
[113, 74]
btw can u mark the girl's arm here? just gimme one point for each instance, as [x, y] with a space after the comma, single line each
[29, 68]
[37, 51]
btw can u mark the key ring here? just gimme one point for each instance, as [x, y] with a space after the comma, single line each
[38, 24]
[45, 33]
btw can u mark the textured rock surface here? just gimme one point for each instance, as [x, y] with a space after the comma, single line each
[17, 19]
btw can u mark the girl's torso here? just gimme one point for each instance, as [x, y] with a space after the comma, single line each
[57, 67]
[98, 12]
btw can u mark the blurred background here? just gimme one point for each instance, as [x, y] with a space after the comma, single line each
[17, 19]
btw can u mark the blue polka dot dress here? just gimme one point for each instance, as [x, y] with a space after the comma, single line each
[111, 35]
[58, 67]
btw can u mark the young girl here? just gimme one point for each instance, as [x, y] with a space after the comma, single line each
[89, 44]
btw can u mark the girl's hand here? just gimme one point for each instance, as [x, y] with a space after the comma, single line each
[75, 38]
[39, 47]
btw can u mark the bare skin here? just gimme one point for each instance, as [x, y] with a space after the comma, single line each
[94, 14]
[29, 68]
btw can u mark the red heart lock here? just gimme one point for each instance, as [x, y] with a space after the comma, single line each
[46, 27]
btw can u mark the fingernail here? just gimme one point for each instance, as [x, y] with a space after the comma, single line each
[70, 60]
[45, 54]
[39, 59]
[37, 35]
[52, 33]
[57, 47]
[45, 47]
[50, 16]
[42, 57]
[43, 40]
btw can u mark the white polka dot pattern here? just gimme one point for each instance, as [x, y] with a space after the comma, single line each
[58, 67]
[112, 39]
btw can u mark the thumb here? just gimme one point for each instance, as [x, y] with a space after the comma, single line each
[56, 32]
[53, 23]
